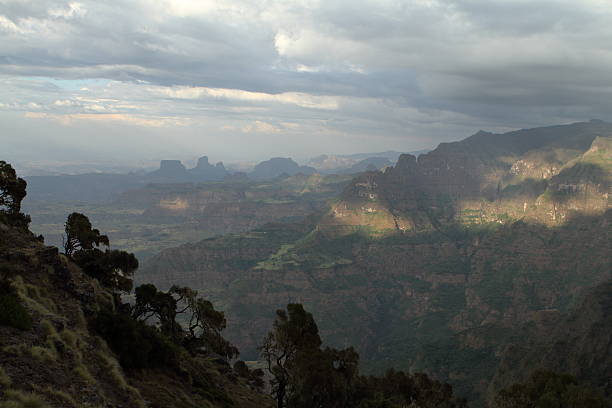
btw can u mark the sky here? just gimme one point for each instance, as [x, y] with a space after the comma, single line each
[132, 80]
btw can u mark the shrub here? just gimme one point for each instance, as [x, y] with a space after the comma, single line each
[12, 312]
[136, 344]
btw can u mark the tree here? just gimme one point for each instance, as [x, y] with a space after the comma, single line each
[204, 323]
[294, 336]
[80, 235]
[12, 192]
[305, 376]
[162, 306]
[112, 268]
[549, 389]
[324, 378]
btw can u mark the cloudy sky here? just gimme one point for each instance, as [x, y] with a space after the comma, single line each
[131, 80]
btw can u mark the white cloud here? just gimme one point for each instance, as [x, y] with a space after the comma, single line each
[260, 127]
[73, 10]
[9, 26]
[70, 119]
[296, 98]
[366, 73]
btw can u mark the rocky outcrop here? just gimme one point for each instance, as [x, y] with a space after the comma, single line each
[543, 174]
[175, 171]
[170, 169]
[204, 171]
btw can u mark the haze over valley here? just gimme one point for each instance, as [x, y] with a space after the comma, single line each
[305, 204]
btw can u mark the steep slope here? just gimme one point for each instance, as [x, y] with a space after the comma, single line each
[434, 264]
[579, 343]
[444, 302]
[541, 174]
[55, 358]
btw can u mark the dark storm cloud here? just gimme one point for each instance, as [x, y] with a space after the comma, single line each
[404, 73]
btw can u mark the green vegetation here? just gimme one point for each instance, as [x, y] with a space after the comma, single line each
[304, 375]
[112, 268]
[12, 312]
[12, 192]
[80, 235]
[546, 389]
[136, 344]
[17, 399]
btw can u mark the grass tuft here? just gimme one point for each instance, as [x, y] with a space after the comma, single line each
[5, 380]
[18, 399]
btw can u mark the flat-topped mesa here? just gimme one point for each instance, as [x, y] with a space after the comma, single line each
[171, 169]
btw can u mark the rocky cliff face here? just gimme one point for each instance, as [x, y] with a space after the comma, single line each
[205, 171]
[540, 174]
[446, 303]
[579, 343]
[435, 264]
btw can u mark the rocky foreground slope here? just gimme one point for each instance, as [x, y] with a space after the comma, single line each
[49, 357]
[432, 265]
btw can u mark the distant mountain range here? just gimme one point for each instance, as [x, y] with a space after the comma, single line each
[440, 263]
[348, 162]
[103, 187]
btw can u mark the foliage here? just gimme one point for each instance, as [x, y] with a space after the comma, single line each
[546, 389]
[12, 312]
[306, 376]
[80, 235]
[204, 323]
[400, 389]
[12, 192]
[137, 344]
[295, 337]
[112, 268]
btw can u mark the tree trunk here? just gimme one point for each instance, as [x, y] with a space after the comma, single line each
[280, 396]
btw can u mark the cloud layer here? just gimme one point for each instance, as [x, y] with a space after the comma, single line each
[243, 79]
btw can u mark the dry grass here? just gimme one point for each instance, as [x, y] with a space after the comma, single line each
[80, 321]
[70, 339]
[114, 371]
[43, 354]
[35, 298]
[55, 394]
[84, 373]
[16, 349]
[5, 380]
[18, 399]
